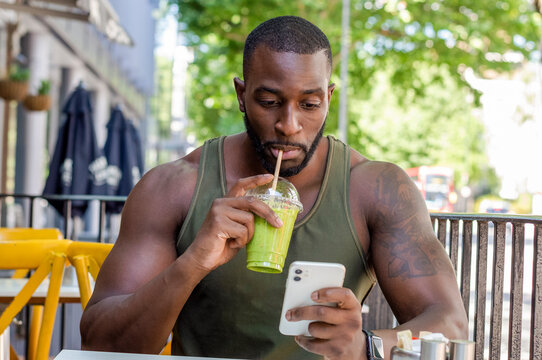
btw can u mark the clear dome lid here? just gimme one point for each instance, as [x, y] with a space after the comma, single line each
[285, 195]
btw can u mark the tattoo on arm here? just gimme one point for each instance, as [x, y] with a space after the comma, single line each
[413, 252]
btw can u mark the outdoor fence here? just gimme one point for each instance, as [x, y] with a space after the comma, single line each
[27, 207]
[497, 259]
[498, 262]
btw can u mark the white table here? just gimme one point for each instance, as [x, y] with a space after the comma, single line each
[9, 288]
[99, 355]
[4, 345]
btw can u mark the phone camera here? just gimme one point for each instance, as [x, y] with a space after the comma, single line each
[298, 271]
[297, 278]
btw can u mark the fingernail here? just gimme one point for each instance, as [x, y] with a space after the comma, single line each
[288, 315]
[314, 295]
[279, 221]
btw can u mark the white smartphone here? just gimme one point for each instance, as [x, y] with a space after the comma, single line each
[305, 277]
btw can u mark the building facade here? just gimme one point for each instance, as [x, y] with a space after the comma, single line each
[67, 52]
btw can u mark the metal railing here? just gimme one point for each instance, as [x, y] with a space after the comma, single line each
[498, 263]
[66, 217]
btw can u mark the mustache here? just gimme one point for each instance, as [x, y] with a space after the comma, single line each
[285, 144]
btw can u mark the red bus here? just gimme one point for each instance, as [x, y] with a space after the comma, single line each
[436, 183]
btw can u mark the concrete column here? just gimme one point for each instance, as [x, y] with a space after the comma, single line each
[3, 51]
[55, 110]
[32, 127]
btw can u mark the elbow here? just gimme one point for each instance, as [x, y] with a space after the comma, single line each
[90, 339]
[458, 325]
[85, 330]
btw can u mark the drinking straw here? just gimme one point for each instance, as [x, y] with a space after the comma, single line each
[277, 169]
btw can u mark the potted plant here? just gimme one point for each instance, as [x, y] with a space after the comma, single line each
[15, 86]
[41, 101]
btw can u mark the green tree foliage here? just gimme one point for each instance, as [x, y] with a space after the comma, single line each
[412, 130]
[161, 100]
[407, 100]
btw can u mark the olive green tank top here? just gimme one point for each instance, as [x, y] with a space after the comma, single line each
[235, 312]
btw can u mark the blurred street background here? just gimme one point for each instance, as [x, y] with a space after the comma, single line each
[94, 93]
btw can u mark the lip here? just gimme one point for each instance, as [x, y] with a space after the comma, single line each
[287, 152]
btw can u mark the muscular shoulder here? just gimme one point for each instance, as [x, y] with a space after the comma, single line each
[365, 173]
[166, 190]
[384, 191]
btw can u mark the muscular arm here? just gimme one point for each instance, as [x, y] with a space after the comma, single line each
[411, 265]
[412, 268]
[142, 285]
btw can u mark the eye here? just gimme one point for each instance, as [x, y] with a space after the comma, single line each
[268, 103]
[310, 106]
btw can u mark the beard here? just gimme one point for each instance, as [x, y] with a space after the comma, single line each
[270, 165]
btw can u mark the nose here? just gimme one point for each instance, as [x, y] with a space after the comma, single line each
[288, 122]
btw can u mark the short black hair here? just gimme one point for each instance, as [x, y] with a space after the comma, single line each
[286, 34]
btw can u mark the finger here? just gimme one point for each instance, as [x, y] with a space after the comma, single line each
[327, 314]
[245, 218]
[258, 207]
[343, 297]
[236, 233]
[322, 330]
[245, 184]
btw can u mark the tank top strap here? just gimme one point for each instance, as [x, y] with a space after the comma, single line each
[210, 185]
[338, 184]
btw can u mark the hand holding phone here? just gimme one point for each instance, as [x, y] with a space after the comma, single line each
[305, 277]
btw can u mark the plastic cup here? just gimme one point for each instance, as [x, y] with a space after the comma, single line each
[267, 250]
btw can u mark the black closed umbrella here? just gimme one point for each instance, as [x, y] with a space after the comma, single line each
[78, 166]
[124, 157]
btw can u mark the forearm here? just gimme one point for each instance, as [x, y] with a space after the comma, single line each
[451, 323]
[140, 322]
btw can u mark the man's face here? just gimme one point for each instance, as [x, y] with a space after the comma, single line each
[285, 99]
[269, 163]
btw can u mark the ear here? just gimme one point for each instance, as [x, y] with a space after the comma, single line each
[330, 89]
[240, 90]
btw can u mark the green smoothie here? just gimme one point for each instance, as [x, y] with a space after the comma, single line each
[267, 250]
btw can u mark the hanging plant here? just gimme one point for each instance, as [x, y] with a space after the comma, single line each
[15, 86]
[40, 102]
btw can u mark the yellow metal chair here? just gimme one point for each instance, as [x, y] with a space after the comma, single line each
[87, 258]
[46, 258]
[37, 310]
[28, 234]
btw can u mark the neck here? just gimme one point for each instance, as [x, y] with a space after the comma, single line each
[242, 161]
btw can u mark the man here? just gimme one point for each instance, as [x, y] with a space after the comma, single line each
[176, 264]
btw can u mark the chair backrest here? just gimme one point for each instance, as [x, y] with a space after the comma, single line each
[87, 258]
[30, 233]
[46, 258]
[29, 254]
